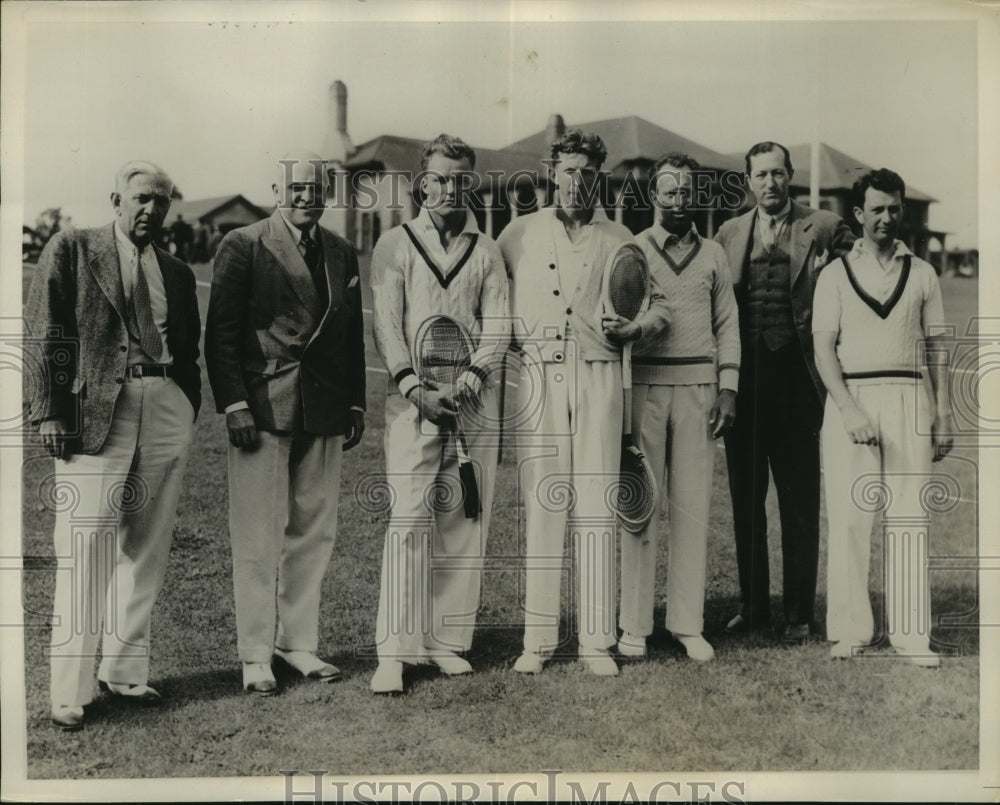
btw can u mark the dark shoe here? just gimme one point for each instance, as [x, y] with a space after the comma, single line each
[795, 633]
[258, 679]
[743, 626]
[140, 694]
[67, 718]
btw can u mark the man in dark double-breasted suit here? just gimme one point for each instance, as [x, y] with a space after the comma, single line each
[113, 389]
[285, 354]
[775, 252]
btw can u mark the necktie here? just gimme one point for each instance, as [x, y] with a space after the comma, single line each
[142, 314]
[770, 232]
[313, 256]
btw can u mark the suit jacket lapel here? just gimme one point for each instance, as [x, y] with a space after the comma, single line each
[740, 244]
[106, 268]
[279, 243]
[801, 239]
[333, 264]
[170, 290]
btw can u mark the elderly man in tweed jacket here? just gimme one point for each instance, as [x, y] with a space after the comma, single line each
[114, 324]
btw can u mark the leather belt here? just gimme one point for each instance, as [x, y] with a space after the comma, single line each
[140, 370]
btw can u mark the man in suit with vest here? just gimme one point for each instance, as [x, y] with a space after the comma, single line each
[284, 348]
[114, 322]
[775, 252]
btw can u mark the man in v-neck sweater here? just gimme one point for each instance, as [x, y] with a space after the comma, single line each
[439, 263]
[567, 416]
[685, 380]
[874, 309]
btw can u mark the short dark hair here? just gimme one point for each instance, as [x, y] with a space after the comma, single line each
[675, 159]
[575, 141]
[448, 146]
[767, 147]
[882, 179]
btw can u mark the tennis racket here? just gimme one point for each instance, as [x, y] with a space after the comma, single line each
[626, 293]
[443, 350]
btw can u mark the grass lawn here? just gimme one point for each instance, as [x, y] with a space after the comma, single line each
[759, 707]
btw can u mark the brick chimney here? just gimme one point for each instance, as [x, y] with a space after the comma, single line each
[338, 145]
[554, 130]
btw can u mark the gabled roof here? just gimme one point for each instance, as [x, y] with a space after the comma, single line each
[837, 170]
[392, 153]
[634, 138]
[200, 208]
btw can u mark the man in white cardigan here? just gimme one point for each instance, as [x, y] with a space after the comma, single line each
[568, 415]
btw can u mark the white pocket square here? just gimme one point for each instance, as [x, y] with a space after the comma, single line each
[353, 282]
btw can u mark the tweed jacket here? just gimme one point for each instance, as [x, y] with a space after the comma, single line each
[812, 232]
[77, 338]
[268, 339]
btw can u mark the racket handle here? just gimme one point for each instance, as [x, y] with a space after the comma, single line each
[627, 387]
[500, 406]
[472, 505]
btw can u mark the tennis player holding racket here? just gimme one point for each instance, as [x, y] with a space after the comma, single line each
[568, 422]
[684, 397]
[439, 264]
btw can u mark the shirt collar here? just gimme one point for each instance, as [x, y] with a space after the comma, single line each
[125, 241]
[779, 217]
[666, 238]
[295, 232]
[899, 250]
[425, 224]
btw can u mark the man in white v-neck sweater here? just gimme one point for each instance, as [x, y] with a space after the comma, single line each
[438, 263]
[685, 380]
[873, 310]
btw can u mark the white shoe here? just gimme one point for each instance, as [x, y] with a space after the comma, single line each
[388, 677]
[598, 661]
[449, 662]
[842, 650]
[530, 662]
[923, 658]
[631, 645]
[309, 665]
[696, 646]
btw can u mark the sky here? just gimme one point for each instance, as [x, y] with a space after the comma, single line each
[216, 102]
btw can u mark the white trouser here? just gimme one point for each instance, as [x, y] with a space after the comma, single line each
[900, 414]
[282, 525]
[675, 437]
[568, 425]
[433, 556]
[114, 523]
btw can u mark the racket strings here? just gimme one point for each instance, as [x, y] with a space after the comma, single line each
[627, 286]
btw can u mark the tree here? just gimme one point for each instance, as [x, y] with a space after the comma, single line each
[51, 221]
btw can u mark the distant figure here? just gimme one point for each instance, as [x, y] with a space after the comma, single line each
[213, 242]
[199, 247]
[182, 235]
[118, 416]
[775, 251]
[874, 307]
[285, 353]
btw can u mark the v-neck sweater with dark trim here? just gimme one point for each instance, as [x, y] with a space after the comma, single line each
[409, 284]
[702, 342]
[879, 330]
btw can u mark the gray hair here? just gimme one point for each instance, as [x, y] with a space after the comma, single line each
[140, 167]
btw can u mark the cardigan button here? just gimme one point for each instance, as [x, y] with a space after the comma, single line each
[552, 265]
[555, 292]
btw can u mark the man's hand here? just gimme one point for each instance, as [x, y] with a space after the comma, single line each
[54, 438]
[242, 429]
[857, 425]
[619, 329]
[469, 391]
[435, 405]
[821, 259]
[356, 430]
[723, 412]
[941, 436]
